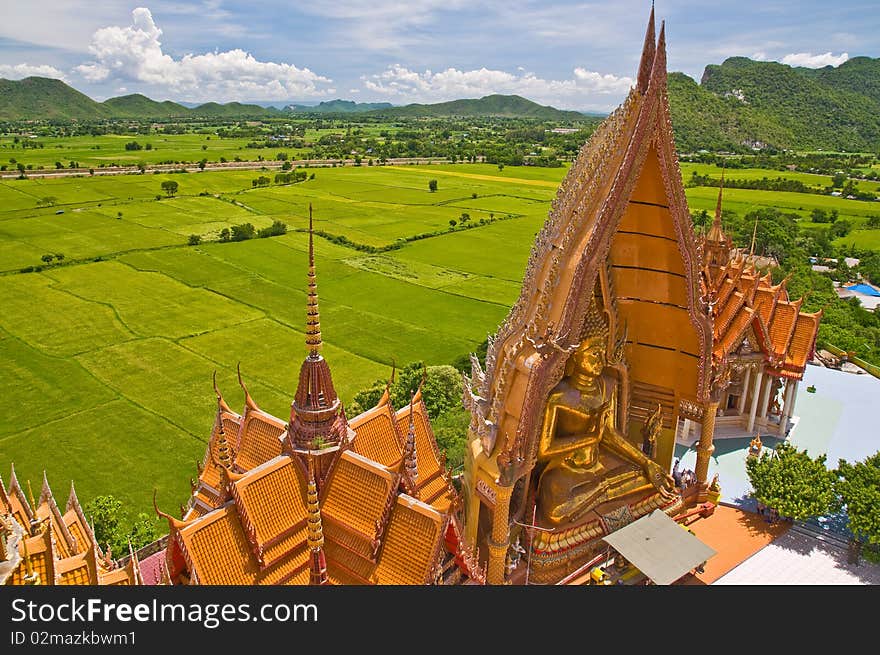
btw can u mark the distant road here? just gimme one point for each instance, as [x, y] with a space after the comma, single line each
[228, 166]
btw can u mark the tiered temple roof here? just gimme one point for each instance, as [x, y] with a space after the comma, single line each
[746, 307]
[55, 548]
[319, 499]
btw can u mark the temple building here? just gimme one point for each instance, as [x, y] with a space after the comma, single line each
[40, 545]
[628, 330]
[761, 339]
[319, 498]
[630, 333]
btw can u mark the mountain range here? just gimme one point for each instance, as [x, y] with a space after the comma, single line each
[739, 103]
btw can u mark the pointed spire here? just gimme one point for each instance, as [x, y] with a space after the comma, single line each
[313, 317]
[648, 52]
[318, 562]
[410, 462]
[173, 523]
[720, 194]
[31, 496]
[386, 395]
[221, 404]
[223, 457]
[248, 401]
[754, 236]
[45, 491]
[31, 577]
[658, 69]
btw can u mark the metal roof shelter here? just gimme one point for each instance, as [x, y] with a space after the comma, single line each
[659, 547]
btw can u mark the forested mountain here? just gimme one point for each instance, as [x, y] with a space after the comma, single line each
[744, 102]
[493, 105]
[338, 107]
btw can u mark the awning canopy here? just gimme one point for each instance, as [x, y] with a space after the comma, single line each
[659, 547]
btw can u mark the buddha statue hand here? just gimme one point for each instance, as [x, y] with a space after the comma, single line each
[661, 480]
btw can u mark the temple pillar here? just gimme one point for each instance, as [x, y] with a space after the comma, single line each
[498, 540]
[745, 391]
[787, 405]
[765, 397]
[756, 393]
[705, 448]
[473, 516]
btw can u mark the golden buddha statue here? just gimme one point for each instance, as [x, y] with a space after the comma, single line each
[586, 460]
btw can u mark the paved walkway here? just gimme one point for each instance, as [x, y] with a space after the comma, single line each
[798, 559]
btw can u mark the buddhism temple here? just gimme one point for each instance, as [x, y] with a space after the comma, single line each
[40, 545]
[630, 332]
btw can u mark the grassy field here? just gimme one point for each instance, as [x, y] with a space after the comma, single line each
[106, 359]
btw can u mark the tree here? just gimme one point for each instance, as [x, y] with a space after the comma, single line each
[202, 164]
[243, 232]
[194, 240]
[225, 234]
[170, 187]
[432, 185]
[59, 256]
[858, 486]
[47, 258]
[143, 531]
[791, 482]
[276, 229]
[453, 223]
[105, 513]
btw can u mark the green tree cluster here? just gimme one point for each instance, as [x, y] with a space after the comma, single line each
[114, 530]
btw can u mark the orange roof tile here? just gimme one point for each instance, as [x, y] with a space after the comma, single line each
[357, 492]
[412, 542]
[782, 326]
[802, 342]
[377, 435]
[75, 571]
[258, 440]
[429, 460]
[271, 502]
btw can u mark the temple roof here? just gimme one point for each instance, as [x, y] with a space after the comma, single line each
[742, 300]
[57, 549]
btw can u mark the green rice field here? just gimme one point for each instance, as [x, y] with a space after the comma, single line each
[106, 358]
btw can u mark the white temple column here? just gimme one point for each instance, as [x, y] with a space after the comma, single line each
[788, 405]
[686, 430]
[765, 396]
[745, 391]
[756, 393]
[783, 414]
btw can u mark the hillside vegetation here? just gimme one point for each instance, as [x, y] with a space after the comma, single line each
[512, 106]
[756, 103]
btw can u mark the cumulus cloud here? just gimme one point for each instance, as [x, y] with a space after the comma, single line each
[134, 53]
[585, 89]
[809, 60]
[18, 71]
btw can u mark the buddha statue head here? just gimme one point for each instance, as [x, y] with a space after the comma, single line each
[589, 359]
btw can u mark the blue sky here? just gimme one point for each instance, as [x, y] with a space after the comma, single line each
[573, 55]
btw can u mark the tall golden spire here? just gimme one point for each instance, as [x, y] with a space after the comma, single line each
[317, 419]
[313, 317]
[318, 562]
[648, 52]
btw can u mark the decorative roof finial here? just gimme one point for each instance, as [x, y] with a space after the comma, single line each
[720, 194]
[410, 462]
[313, 318]
[648, 52]
[318, 563]
[31, 496]
[223, 457]
[754, 235]
[248, 401]
[221, 404]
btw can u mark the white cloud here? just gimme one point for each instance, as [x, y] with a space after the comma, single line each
[814, 61]
[585, 90]
[134, 53]
[759, 56]
[18, 71]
